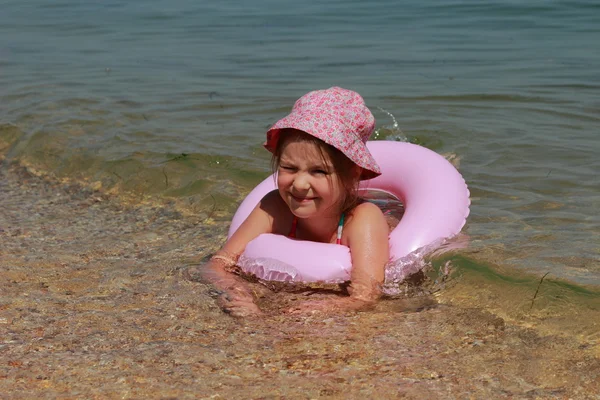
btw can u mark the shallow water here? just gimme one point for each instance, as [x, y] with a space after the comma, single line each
[169, 104]
[93, 304]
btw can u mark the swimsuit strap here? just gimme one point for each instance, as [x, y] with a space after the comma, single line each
[339, 230]
[340, 227]
[292, 233]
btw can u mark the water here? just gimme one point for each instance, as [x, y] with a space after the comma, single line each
[172, 101]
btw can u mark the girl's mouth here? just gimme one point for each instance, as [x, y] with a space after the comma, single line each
[302, 199]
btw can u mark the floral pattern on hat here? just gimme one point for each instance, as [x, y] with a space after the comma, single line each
[337, 116]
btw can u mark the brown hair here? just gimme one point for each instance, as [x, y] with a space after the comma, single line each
[347, 171]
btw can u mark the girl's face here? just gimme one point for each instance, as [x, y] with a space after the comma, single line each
[307, 180]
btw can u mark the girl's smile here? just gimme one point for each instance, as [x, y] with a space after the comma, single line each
[301, 199]
[307, 181]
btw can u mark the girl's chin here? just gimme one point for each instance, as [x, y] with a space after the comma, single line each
[304, 212]
[296, 203]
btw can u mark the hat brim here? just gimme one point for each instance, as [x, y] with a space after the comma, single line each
[357, 151]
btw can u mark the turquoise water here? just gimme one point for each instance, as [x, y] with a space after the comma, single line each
[172, 99]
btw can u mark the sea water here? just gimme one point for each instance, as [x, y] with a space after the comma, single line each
[171, 100]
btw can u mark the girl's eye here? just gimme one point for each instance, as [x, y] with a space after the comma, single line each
[286, 167]
[320, 172]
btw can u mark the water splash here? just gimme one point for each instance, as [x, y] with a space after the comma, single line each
[389, 132]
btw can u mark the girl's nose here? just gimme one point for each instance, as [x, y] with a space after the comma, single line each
[301, 182]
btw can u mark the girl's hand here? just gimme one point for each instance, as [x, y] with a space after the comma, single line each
[238, 303]
[232, 294]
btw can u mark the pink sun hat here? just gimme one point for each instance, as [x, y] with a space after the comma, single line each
[337, 116]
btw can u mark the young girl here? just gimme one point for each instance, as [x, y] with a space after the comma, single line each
[319, 154]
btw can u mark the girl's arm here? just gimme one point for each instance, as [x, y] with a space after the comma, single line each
[237, 298]
[368, 240]
[366, 234]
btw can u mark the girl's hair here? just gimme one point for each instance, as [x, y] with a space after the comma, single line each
[347, 171]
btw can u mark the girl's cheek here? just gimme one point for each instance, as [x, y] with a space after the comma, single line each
[283, 179]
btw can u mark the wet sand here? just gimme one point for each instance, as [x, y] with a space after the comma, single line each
[94, 304]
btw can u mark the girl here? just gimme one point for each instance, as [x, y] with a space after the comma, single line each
[319, 154]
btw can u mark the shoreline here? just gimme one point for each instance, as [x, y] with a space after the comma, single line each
[93, 304]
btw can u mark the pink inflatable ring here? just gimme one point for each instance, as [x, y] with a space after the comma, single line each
[436, 202]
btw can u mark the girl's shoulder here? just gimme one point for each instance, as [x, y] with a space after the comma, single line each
[272, 202]
[366, 210]
[278, 211]
[365, 216]
[272, 198]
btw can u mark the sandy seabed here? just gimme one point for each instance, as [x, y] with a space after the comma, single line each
[93, 304]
